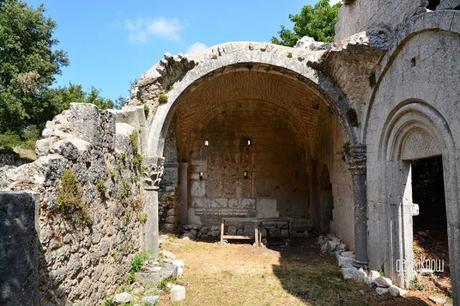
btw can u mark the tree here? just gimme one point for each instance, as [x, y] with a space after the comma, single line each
[28, 65]
[315, 21]
[59, 99]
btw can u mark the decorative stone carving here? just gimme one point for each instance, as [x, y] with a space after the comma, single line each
[152, 175]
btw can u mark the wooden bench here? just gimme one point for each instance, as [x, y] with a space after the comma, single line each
[240, 220]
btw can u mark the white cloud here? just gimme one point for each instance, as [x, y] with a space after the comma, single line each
[334, 2]
[142, 30]
[196, 48]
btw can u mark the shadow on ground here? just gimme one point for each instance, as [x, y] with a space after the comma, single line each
[315, 279]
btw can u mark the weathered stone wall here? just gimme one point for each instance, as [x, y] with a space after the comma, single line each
[407, 82]
[413, 114]
[20, 251]
[332, 151]
[89, 228]
[275, 184]
[363, 15]
[168, 213]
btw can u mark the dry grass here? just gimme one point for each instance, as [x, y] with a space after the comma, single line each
[239, 274]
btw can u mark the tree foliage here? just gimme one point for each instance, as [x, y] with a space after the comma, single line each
[29, 63]
[315, 21]
[60, 98]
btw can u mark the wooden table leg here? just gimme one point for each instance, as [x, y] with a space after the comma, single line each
[222, 231]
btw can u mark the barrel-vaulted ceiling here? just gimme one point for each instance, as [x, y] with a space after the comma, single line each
[300, 104]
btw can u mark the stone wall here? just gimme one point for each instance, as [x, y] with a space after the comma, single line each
[386, 15]
[88, 176]
[413, 114]
[20, 251]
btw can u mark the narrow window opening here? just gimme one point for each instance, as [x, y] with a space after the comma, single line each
[206, 143]
[245, 174]
[201, 176]
[249, 142]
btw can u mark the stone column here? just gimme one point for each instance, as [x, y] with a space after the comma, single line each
[183, 192]
[151, 183]
[357, 167]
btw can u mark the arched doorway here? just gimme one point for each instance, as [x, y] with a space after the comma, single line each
[415, 133]
[304, 104]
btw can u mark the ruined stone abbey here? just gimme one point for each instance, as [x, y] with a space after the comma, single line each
[324, 135]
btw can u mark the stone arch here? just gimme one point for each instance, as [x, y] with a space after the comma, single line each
[229, 57]
[436, 21]
[412, 131]
[415, 130]
[293, 64]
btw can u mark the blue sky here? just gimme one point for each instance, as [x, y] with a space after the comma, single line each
[111, 43]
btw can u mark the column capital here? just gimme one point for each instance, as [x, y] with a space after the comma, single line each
[356, 160]
[153, 172]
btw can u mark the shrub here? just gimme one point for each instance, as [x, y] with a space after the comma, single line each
[134, 140]
[136, 264]
[125, 190]
[101, 187]
[9, 139]
[142, 218]
[123, 157]
[137, 161]
[137, 204]
[138, 261]
[163, 98]
[108, 302]
[69, 199]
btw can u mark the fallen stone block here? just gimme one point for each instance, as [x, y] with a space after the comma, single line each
[153, 278]
[396, 291]
[180, 266]
[348, 272]
[151, 300]
[359, 275]
[381, 291]
[122, 298]
[177, 293]
[344, 261]
[382, 282]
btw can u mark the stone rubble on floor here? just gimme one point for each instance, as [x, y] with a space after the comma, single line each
[333, 245]
[150, 299]
[154, 272]
[122, 298]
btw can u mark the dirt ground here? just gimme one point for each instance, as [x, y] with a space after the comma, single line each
[240, 274]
